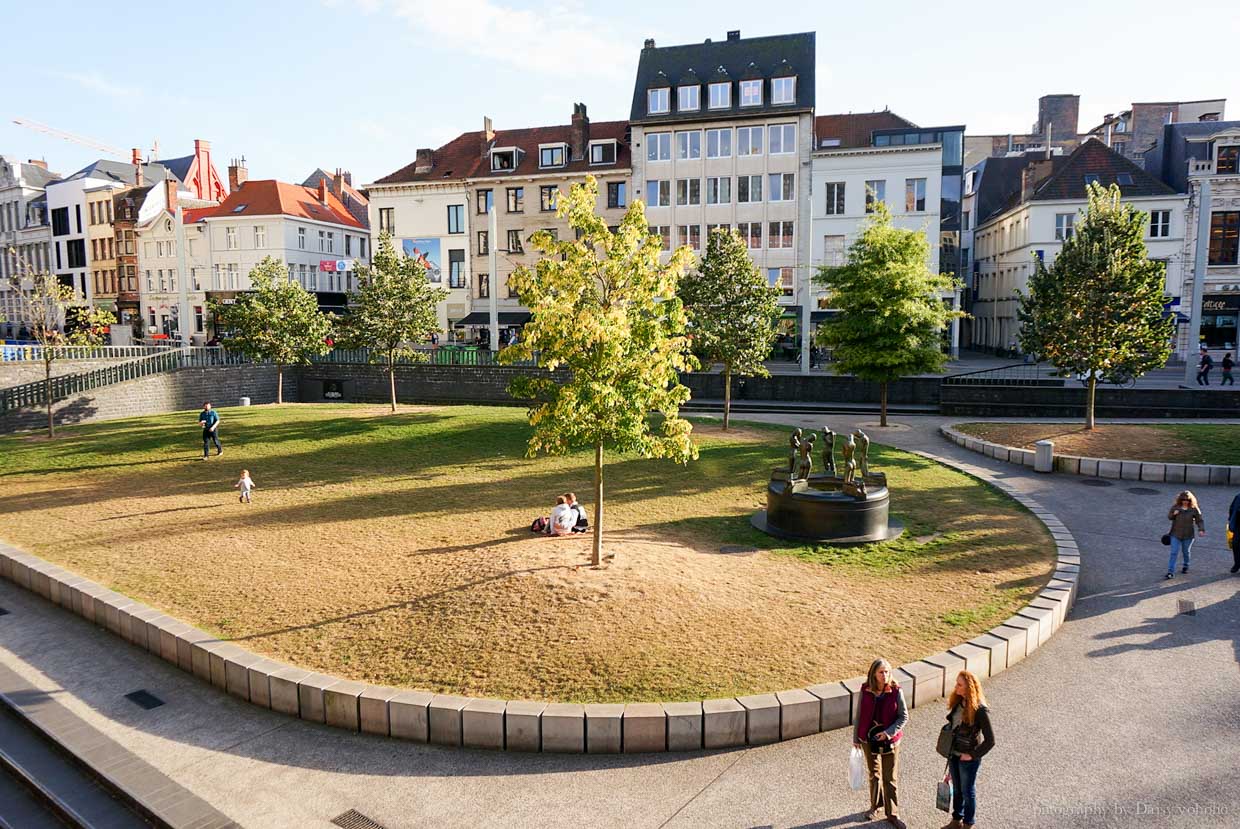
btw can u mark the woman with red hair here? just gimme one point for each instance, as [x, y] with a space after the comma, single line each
[972, 738]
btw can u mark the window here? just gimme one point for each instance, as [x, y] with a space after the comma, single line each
[387, 221]
[751, 93]
[76, 250]
[322, 241]
[616, 196]
[914, 195]
[456, 218]
[512, 291]
[689, 144]
[833, 251]
[503, 160]
[1092, 178]
[719, 190]
[151, 317]
[751, 232]
[603, 153]
[551, 156]
[658, 193]
[546, 197]
[516, 199]
[331, 242]
[781, 187]
[1160, 224]
[1123, 178]
[690, 235]
[779, 235]
[748, 189]
[659, 146]
[965, 218]
[721, 95]
[712, 228]
[783, 139]
[784, 90]
[688, 191]
[150, 282]
[719, 143]
[835, 198]
[484, 201]
[688, 98]
[875, 191]
[198, 319]
[77, 215]
[749, 140]
[658, 101]
[484, 243]
[194, 280]
[230, 238]
[1063, 226]
[484, 285]
[664, 232]
[1227, 160]
[260, 238]
[163, 282]
[60, 221]
[514, 242]
[456, 268]
[301, 231]
[361, 247]
[93, 220]
[1224, 237]
[348, 245]
[781, 278]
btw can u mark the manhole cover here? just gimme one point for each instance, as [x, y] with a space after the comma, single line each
[1096, 482]
[737, 549]
[353, 819]
[1142, 490]
[1188, 608]
[144, 699]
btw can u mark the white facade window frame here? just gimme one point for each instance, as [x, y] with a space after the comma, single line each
[689, 98]
[658, 100]
[555, 145]
[720, 94]
[601, 145]
[788, 84]
[751, 93]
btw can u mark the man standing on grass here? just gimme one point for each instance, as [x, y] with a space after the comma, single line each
[210, 422]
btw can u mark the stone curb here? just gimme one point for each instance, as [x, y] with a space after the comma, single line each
[1116, 469]
[518, 725]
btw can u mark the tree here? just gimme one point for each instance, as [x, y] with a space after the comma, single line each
[732, 311]
[892, 314]
[605, 309]
[1097, 310]
[55, 317]
[277, 320]
[394, 307]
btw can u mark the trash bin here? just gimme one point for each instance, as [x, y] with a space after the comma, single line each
[245, 401]
[1044, 459]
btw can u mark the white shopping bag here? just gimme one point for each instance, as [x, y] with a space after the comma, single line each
[856, 769]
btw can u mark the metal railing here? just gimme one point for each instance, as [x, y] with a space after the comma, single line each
[443, 355]
[67, 385]
[33, 352]
[1017, 374]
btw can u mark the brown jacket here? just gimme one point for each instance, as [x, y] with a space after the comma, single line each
[1182, 521]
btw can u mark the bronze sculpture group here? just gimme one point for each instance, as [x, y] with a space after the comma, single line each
[854, 452]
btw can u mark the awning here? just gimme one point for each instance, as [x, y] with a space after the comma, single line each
[505, 318]
[790, 311]
[822, 316]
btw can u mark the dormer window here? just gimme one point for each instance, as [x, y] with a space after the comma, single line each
[721, 95]
[751, 93]
[784, 90]
[504, 158]
[688, 98]
[552, 155]
[658, 101]
[602, 152]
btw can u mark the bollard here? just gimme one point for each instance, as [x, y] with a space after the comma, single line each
[1044, 460]
[245, 401]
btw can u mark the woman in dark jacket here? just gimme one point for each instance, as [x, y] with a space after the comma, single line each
[1184, 517]
[972, 738]
[881, 715]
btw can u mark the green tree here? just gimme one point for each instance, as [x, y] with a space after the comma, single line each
[892, 310]
[605, 309]
[55, 317]
[732, 311]
[394, 307]
[276, 320]
[1097, 310]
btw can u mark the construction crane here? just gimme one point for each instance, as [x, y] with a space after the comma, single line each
[68, 136]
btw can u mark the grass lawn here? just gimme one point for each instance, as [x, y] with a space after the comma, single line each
[1170, 442]
[395, 549]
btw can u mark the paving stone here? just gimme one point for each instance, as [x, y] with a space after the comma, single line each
[1032, 628]
[1234, 475]
[1089, 467]
[564, 728]
[409, 714]
[523, 725]
[1108, 468]
[340, 704]
[835, 705]
[1175, 473]
[200, 655]
[1069, 464]
[604, 726]
[310, 697]
[928, 683]
[761, 718]
[259, 676]
[284, 688]
[645, 728]
[723, 723]
[1056, 608]
[996, 647]
[1156, 472]
[1045, 619]
[799, 713]
[1016, 639]
[853, 686]
[444, 711]
[482, 724]
[684, 725]
[951, 665]
[138, 623]
[237, 672]
[1219, 475]
[372, 706]
[1196, 473]
[169, 636]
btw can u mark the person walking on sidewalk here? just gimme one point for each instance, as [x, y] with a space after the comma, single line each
[1233, 524]
[1203, 368]
[209, 420]
[1228, 364]
[1185, 517]
[972, 737]
[882, 714]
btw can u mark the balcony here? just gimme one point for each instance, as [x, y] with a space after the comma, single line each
[1200, 167]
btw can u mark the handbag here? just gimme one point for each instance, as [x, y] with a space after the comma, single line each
[947, 736]
[943, 792]
[1166, 539]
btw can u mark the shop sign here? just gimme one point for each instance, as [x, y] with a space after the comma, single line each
[336, 265]
[1220, 303]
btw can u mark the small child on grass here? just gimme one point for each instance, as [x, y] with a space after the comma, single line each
[245, 484]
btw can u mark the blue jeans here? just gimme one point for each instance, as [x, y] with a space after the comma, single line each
[208, 438]
[964, 788]
[1178, 544]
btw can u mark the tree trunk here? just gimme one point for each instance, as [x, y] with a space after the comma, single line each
[727, 396]
[47, 396]
[597, 555]
[882, 405]
[392, 379]
[279, 384]
[1089, 401]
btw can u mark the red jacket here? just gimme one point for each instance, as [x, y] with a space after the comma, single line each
[888, 713]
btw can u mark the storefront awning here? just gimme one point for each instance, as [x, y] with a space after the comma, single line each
[505, 318]
[822, 316]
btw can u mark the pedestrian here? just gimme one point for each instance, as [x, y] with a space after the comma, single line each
[882, 714]
[245, 484]
[972, 738]
[1228, 364]
[209, 420]
[1233, 525]
[1203, 368]
[1184, 516]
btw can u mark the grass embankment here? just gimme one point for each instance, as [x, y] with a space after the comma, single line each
[1161, 442]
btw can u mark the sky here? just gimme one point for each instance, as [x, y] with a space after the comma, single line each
[361, 84]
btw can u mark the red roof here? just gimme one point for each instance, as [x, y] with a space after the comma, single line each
[462, 157]
[855, 129]
[277, 198]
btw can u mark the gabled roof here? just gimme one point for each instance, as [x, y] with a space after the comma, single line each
[754, 57]
[269, 197]
[179, 167]
[1093, 158]
[462, 157]
[120, 172]
[35, 176]
[855, 129]
[999, 182]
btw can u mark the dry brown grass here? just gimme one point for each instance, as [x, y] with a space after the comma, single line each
[1118, 440]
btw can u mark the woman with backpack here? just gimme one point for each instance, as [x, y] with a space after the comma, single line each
[971, 738]
[1184, 516]
[881, 715]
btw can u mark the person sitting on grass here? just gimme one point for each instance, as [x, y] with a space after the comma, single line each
[581, 523]
[563, 518]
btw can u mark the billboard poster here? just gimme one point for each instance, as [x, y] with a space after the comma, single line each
[427, 252]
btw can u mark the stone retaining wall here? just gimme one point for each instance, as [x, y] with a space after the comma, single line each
[518, 725]
[28, 371]
[1113, 468]
[361, 383]
[1069, 401]
[815, 388]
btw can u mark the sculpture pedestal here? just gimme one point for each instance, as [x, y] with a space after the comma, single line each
[819, 510]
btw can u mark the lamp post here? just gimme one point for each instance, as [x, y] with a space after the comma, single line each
[1200, 260]
[492, 277]
[183, 313]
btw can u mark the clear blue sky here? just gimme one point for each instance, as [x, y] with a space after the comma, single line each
[362, 83]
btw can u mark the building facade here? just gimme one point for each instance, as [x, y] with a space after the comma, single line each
[1134, 131]
[25, 227]
[1055, 129]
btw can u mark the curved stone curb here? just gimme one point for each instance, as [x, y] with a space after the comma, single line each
[516, 725]
[1113, 468]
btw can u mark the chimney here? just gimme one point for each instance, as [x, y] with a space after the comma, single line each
[348, 178]
[649, 44]
[237, 174]
[734, 34]
[38, 162]
[170, 194]
[202, 153]
[425, 160]
[579, 132]
[488, 135]
[1034, 174]
[323, 191]
[338, 184]
[136, 161]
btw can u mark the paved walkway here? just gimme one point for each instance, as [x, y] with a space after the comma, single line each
[1129, 716]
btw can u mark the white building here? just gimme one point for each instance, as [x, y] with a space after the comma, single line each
[25, 227]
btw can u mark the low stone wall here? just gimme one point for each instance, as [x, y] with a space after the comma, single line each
[815, 388]
[28, 371]
[1069, 401]
[1114, 468]
[517, 725]
[361, 383]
